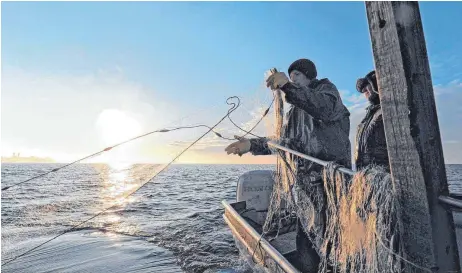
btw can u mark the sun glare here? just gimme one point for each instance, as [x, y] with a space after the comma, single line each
[115, 126]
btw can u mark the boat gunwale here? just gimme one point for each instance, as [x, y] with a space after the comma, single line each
[269, 249]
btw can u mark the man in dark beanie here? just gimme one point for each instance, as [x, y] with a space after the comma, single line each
[370, 144]
[318, 125]
[304, 66]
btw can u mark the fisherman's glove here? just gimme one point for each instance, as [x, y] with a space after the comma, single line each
[239, 147]
[277, 80]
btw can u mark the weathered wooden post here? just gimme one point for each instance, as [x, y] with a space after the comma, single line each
[413, 136]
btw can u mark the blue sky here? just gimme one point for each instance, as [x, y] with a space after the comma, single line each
[175, 57]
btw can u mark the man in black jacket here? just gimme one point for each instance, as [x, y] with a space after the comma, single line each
[317, 124]
[371, 145]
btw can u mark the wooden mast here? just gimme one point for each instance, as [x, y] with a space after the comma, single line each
[413, 136]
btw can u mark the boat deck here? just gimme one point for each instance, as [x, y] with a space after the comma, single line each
[264, 254]
[279, 254]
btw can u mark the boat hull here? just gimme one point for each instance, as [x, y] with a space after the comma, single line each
[257, 251]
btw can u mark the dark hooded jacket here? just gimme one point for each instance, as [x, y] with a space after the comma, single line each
[371, 145]
[317, 124]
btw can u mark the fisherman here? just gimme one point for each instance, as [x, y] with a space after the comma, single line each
[371, 145]
[318, 125]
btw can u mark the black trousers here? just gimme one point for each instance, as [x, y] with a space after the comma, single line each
[307, 257]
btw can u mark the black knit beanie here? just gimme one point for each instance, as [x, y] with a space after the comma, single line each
[369, 78]
[306, 67]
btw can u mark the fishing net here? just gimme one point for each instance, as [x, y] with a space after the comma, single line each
[351, 221]
[361, 233]
[281, 207]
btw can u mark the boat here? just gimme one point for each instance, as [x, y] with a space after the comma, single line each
[414, 149]
[272, 252]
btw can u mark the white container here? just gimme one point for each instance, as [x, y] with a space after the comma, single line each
[255, 187]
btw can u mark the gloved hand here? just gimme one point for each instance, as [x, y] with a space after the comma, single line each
[277, 80]
[239, 147]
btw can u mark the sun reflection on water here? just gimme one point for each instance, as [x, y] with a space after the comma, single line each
[119, 184]
[118, 181]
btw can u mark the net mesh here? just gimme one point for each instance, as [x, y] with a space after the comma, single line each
[361, 232]
[351, 221]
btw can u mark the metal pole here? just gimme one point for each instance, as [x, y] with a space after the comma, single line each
[450, 201]
[313, 159]
[455, 203]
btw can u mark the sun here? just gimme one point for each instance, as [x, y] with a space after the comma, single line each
[115, 126]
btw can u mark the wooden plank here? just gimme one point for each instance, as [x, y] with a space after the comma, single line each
[412, 134]
[251, 246]
[257, 252]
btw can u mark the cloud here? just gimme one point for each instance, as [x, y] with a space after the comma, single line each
[57, 114]
[448, 101]
[206, 143]
[351, 98]
[446, 66]
[449, 106]
[246, 117]
[356, 104]
[450, 88]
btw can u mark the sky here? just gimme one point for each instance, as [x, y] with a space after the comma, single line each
[80, 76]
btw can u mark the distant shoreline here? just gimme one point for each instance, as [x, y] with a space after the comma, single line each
[31, 159]
[153, 163]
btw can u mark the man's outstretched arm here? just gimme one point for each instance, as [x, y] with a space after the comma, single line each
[256, 146]
[259, 146]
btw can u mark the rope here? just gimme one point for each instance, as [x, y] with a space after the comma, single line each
[234, 106]
[255, 248]
[256, 124]
[159, 131]
[121, 143]
[401, 257]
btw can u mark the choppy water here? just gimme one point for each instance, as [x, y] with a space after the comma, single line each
[173, 224]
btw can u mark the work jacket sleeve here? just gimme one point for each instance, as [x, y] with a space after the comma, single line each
[371, 144]
[259, 146]
[319, 102]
